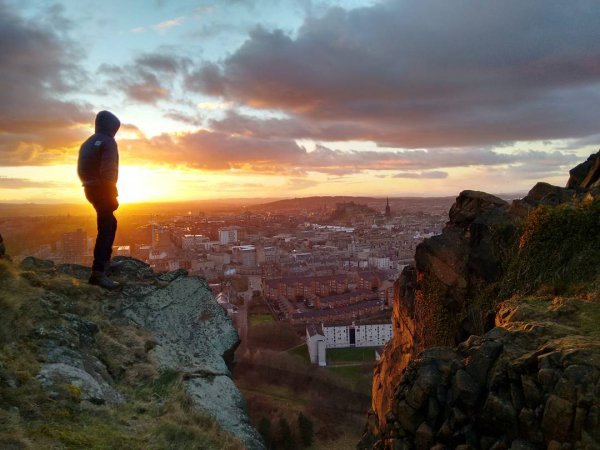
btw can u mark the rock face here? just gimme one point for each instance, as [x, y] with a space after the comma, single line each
[448, 378]
[191, 334]
[194, 336]
[586, 175]
[435, 302]
[531, 382]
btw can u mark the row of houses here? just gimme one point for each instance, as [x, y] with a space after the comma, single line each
[296, 287]
[346, 313]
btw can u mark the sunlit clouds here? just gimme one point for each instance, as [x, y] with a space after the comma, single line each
[250, 99]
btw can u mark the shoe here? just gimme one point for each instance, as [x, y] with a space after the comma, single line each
[101, 279]
[115, 266]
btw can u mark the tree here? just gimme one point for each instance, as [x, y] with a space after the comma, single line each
[264, 428]
[286, 438]
[305, 426]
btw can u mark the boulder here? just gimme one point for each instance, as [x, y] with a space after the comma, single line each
[36, 264]
[585, 175]
[541, 194]
[471, 204]
[88, 387]
[75, 270]
[193, 335]
[557, 419]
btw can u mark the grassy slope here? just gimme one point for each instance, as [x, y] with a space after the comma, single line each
[157, 413]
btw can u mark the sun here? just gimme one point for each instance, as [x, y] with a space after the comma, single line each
[141, 184]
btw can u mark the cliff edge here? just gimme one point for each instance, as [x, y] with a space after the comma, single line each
[496, 342]
[144, 367]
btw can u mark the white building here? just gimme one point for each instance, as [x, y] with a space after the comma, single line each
[191, 241]
[228, 235]
[122, 250]
[343, 336]
[266, 254]
[315, 341]
[245, 255]
[380, 262]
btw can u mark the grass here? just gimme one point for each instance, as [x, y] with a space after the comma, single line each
[351, 354]
[352, 373]
[301, 352]
[582, 315]
[257, 319]
[557, 251]
[157, 413]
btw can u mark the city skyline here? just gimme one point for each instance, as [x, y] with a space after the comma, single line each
[298, 98]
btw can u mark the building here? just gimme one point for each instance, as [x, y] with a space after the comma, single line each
[244, 255]
[161, 237]
[74, 246]
[228, 235]
[320, 337]
[315, 341]
[224, 299]
[266, 254]
[193, 241]
[360, 334]
[122, 250]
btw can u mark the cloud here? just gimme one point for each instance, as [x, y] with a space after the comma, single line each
[21, 183]
[297, 184]
[170, 23]
[219, 151]
[430, 73]
[149, 79]
[182, 117]
[37, 126]
[434, 174]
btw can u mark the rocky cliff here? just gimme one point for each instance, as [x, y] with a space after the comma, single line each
[144, 367]
[496, 341]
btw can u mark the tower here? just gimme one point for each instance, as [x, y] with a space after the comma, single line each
[388, 211]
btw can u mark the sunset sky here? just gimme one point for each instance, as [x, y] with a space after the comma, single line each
[291, 98]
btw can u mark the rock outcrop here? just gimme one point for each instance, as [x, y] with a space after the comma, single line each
[91, 342]
[436, 302]
[532, 382]
[462, 371]
[194, 336]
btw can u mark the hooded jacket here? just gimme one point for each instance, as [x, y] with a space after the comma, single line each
[98, 163]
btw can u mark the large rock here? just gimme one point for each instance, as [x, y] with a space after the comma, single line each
[492, 393]
[194, 335]
[585, 175]
[541, 194]
[190, 334]
[470, 205]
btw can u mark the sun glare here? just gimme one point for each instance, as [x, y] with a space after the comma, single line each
[140, 184]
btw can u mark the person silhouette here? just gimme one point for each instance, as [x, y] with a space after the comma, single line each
[98, 170]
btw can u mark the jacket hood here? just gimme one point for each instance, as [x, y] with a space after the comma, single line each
[107, 123]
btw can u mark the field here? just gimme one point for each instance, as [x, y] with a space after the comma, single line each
[256, 319]
[352, 354]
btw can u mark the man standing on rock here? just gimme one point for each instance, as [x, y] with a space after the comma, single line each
[98, 170]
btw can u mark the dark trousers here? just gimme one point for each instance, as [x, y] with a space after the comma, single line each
[105, 205]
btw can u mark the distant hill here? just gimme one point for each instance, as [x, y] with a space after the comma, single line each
[348, 211]
[76, 209]
[329, 202]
